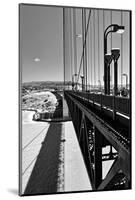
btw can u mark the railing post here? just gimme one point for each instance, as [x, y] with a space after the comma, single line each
[98, 138]
[101, 101]
[114, 111]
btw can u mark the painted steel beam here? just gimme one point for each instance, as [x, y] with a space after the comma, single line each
[109, 133]
[82, 116]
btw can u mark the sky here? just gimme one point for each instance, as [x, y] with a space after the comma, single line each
[99, 21]
[41, 44]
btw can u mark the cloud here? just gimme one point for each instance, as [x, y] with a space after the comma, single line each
[37, 59]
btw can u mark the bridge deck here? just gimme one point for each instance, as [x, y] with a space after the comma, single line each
[96, 129]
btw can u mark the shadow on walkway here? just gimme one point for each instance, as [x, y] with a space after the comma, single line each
[44, 176]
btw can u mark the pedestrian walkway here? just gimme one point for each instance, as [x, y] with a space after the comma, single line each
[51, 159]
[33, 133]
[76, 177]
[44, 176]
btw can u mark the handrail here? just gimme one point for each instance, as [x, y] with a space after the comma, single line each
[115, 103]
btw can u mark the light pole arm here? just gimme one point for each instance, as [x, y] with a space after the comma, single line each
[106, 67]
[109, 27]
[105, 40]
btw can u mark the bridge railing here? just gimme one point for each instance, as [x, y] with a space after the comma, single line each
[107, 101]
[96, 127]
[122, 105]
[115, 103]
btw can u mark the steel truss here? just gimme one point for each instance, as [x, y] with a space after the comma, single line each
[93, 135]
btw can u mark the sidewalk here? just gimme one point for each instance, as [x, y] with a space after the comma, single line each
[52, 159]
[44, 176]
[76, 177]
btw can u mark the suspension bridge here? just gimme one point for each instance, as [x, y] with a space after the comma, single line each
[97, 66]
[63, 156]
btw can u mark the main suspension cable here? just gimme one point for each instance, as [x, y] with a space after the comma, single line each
[84, 46]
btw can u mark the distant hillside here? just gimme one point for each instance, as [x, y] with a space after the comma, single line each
[45, 83]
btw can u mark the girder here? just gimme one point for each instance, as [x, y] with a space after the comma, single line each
[93, 134]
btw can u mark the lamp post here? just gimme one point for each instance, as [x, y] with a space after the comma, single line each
[126, 80]
[99, 83]
[115, 56]
[108, 60]
[74, 82]
[82, 77]
[114, 28]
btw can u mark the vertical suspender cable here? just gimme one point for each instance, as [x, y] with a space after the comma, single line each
[103, 20]
[91, 55]
[98, 48]
[130, 54]
[121, 51]
[94, 46]
[82, 45]
[70, 36]
[88, 57]
[111, 48]
[74, 36]
[88, 21]
[91, 52]
[64, 43]
[91, 31]
[85, 49]
[103, 47]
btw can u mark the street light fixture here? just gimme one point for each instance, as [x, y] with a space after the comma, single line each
[118, 29]
[99, 84]
[82, 77]
[74, 82]
[126, 80]
[108, 59]
[115, 56]
[114, 28]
